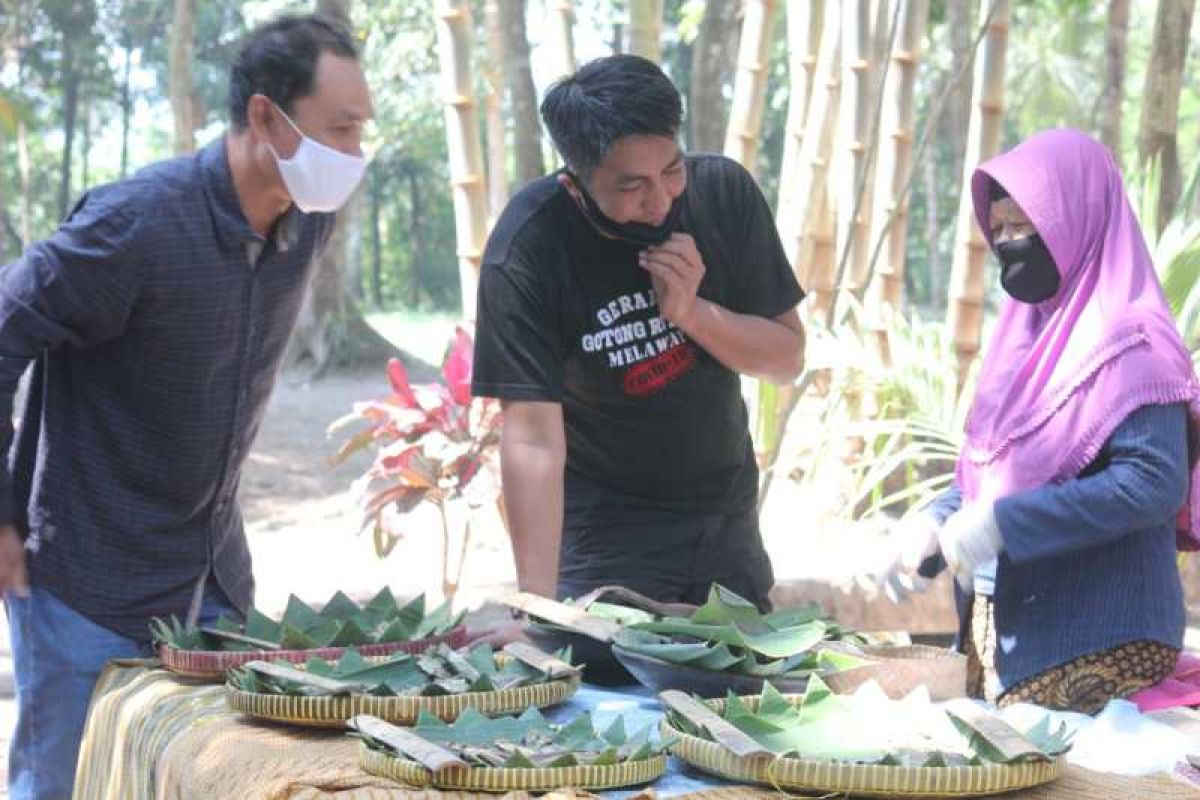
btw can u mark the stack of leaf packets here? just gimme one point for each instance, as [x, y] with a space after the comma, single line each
[399, 687]
[381, 626]
[875, 742]
[730, 637]
[510, 753]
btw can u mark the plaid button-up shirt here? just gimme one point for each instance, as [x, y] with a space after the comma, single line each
[155, 319]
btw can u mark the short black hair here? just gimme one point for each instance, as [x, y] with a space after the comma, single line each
[606, 100]
[279, 60]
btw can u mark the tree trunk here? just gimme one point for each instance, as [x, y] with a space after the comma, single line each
[527, 131]
[415, 240]
[182, 87]
[375, 200]
[712, 64]
[331, 328]
[126, 103]
[804, 20]
[960, 26]
[1116, 40]
[562, 32]
[896, 128]
[857, 110]
[801, 225]
[85, 146]
[645, 29]
[462, 140]
[750, 85]
[493, 103]
[1157, 129]
[965, 310]
[70, 109]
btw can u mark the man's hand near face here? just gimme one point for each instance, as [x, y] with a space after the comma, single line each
[676, 269]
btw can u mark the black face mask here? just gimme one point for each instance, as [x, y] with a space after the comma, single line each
[1027, 270]
[638, 234]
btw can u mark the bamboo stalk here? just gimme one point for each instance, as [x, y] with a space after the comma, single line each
[750, 83]
[462, 142]
[965, 308]
[493, 103]
[562, 30]
[815, 152]
[645, 29]
[804, 18]
[895, 159]
[854, 216]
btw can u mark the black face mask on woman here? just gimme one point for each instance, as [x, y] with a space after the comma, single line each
[1027, 270]
[638, 234]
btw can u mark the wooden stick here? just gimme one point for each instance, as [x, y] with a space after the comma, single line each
[567, 616]
[729, 737]
[551, 665]
[404, 740]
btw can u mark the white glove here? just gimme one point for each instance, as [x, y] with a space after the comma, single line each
[911, 541]
[970, 537]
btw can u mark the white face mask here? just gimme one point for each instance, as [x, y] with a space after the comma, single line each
[319, 178]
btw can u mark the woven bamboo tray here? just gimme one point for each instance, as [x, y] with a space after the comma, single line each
[212, 664]
[333, 711]
[864, 780]
[483, 779]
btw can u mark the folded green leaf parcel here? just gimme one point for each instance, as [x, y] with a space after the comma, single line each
[340, 623]
[728, 634]
[869, 728]
[439, 671]
[527, 741]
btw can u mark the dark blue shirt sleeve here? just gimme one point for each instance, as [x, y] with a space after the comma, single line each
[76, 288]
[1141, 484]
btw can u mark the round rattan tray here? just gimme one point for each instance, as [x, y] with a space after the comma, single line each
[630, 773]
[863, 780]
[333, 711]
[212, 664]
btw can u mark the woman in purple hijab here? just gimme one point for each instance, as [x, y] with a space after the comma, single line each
[1061, 528]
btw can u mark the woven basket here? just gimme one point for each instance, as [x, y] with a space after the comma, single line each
[484, 779]
[333, 711]
[212, 664]
[866, 780]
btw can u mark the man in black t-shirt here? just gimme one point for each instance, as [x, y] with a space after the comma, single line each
[618, 302]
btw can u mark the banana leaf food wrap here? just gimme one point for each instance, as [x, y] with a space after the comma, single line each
[379, 627]
[728, 644]
[587, 623]
[398, 688]
[438, 671]
[511, 752]
[862, 743]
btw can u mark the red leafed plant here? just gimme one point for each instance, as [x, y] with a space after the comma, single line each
[434, 443]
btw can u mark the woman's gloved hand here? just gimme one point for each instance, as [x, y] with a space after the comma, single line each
[970, 537]
[911, 541]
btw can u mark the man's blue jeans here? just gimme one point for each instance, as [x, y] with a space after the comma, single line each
[57, 657]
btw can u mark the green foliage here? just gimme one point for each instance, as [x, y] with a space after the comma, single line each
[728, 634]
[868, 728]
[340, 623]
[530, 741]
[1176, 251]
[438, 671]
[896, 428]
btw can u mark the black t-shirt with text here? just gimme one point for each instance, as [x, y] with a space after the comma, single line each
[567, 315]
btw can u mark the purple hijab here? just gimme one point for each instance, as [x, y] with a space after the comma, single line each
[1061, 375]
